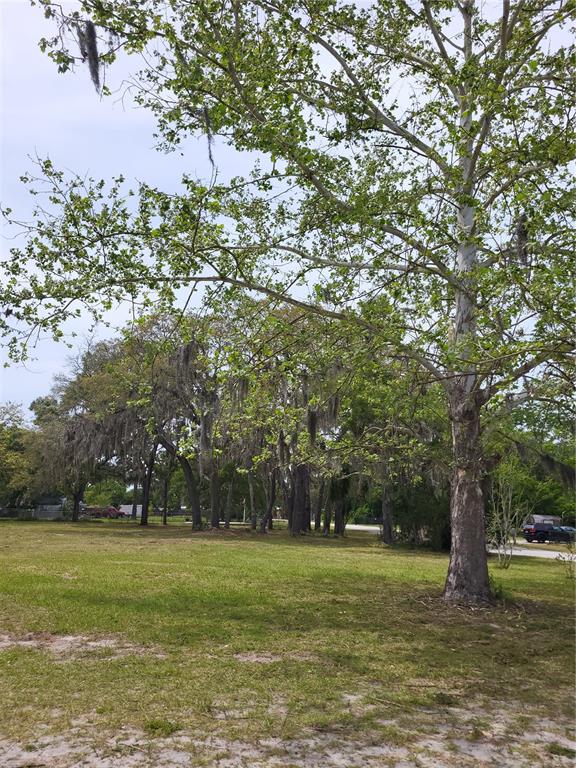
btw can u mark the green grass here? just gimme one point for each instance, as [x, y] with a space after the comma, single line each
[558, 749]
[554, 546]
[160, 728]
[334, 617]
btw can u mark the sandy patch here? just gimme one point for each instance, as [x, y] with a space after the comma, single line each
[60, 753]
[464, 737]
[258, 658]
[69, 647]
[271, 658]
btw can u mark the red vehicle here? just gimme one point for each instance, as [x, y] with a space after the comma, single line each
[113, 513]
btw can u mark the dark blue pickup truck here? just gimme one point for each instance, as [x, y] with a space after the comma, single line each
[547, 532]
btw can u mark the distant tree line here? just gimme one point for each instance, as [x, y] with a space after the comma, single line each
[262, 410]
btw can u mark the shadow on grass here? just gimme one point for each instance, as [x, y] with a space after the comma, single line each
[377, 617]
[389, 622]
[157, 533]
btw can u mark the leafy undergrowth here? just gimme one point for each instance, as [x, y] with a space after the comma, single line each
[243, 637]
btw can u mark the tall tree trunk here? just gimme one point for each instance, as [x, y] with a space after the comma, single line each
[229, 499]
[148, 485]
[167, 479]
[214, 496]
[339, 523]
[193, 494]
[267, 518]
[165, 500]
[387, 518]
[318, 505]
[288, 498]
[327, 518]
[299, 522]
[467, 579]
[253, 510]
[134, 514]
[307, 500]
[76, 499]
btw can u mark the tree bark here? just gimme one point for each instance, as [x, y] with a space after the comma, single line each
[267, 519]
[165, 500]
[288, 498]
[76, 499]
[467, 579]
[214, 497]
[193, 493]
[299, 522]
[318, 505]
[229, 499]
[327, 518]
[253, 510]
[339, 523]
[307, 500]
[387, 517]
[134, 514]
[148, 485]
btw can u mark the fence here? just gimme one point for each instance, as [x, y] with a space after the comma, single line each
[40, 512]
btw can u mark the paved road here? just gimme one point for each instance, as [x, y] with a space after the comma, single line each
[549, 554]
[357, 527]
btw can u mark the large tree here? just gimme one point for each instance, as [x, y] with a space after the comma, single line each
[413, 178]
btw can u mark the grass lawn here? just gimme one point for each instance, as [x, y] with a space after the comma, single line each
[556, 546]
[164, 647]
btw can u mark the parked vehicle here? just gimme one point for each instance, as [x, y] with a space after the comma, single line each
[110, 512]
[113, 513]
[543, 532]
[549, 519]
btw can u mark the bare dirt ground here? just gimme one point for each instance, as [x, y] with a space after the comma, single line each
[475, 735]
[463, 737]
[68, 647]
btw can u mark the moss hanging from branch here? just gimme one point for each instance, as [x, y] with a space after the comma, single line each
[333, 406]
[92, 51]
[82, 42]
[209, 134]
[88, 44]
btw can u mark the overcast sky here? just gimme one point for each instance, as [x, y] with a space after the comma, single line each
[44, 113]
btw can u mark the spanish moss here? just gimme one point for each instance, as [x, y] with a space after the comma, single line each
[91, 48]
[209, 134]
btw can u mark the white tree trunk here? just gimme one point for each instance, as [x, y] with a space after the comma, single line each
[467, 578]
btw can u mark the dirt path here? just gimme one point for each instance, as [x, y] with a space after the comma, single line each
[448, 738]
